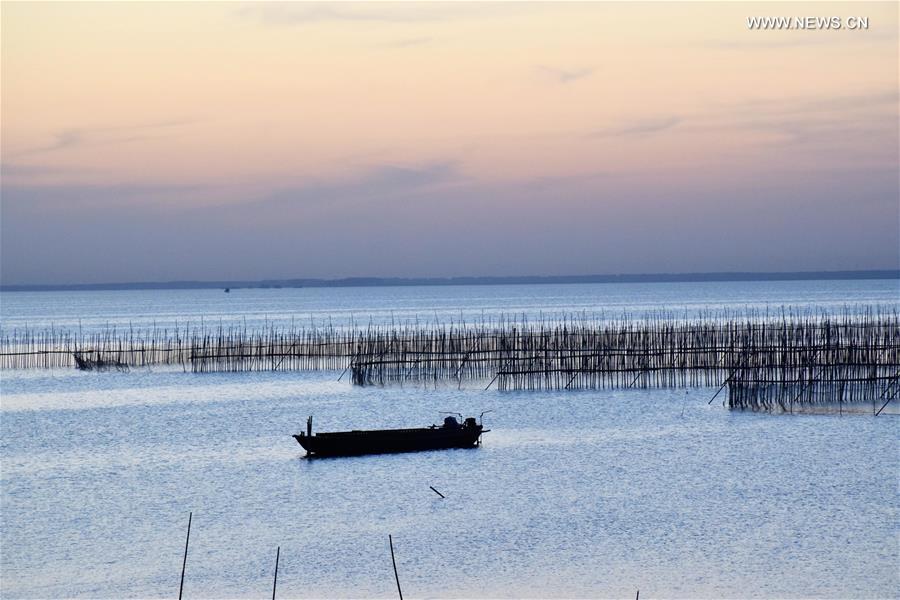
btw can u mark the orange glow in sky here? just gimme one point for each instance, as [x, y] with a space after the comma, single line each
[544, 138]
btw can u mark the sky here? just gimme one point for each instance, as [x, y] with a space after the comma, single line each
[229, 141]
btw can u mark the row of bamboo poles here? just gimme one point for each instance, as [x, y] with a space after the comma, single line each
[826, 387]
[645, 354]
[766, 361]
[234, 347]
[195, 349]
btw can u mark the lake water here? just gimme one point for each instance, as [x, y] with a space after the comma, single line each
[572, 494]
[426, 305]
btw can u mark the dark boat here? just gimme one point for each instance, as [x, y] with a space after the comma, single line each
[85, 362]
[451, 434]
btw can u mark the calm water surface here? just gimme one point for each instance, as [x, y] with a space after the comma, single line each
[425, 305]
[576, 494]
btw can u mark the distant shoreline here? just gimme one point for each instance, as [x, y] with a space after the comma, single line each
[447, 281]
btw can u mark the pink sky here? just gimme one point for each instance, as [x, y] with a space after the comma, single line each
[163, 141]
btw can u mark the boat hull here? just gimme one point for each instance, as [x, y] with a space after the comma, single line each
[355, 443]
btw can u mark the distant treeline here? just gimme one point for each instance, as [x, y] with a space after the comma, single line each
[429, 281]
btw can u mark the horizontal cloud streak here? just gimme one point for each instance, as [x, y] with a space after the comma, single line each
[94, 136]
[386, 181]
[307, 13]
[793, 106]
[406, 43]
[565, 75]
[25, 170]
[800, 42]
[638, 128]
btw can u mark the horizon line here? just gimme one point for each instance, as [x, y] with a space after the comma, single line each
[712, 276]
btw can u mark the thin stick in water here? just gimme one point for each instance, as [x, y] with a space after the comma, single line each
[184, 562]
[397, 577]
[275, 582]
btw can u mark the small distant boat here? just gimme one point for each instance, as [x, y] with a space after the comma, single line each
[86, 362]
[451, 434]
